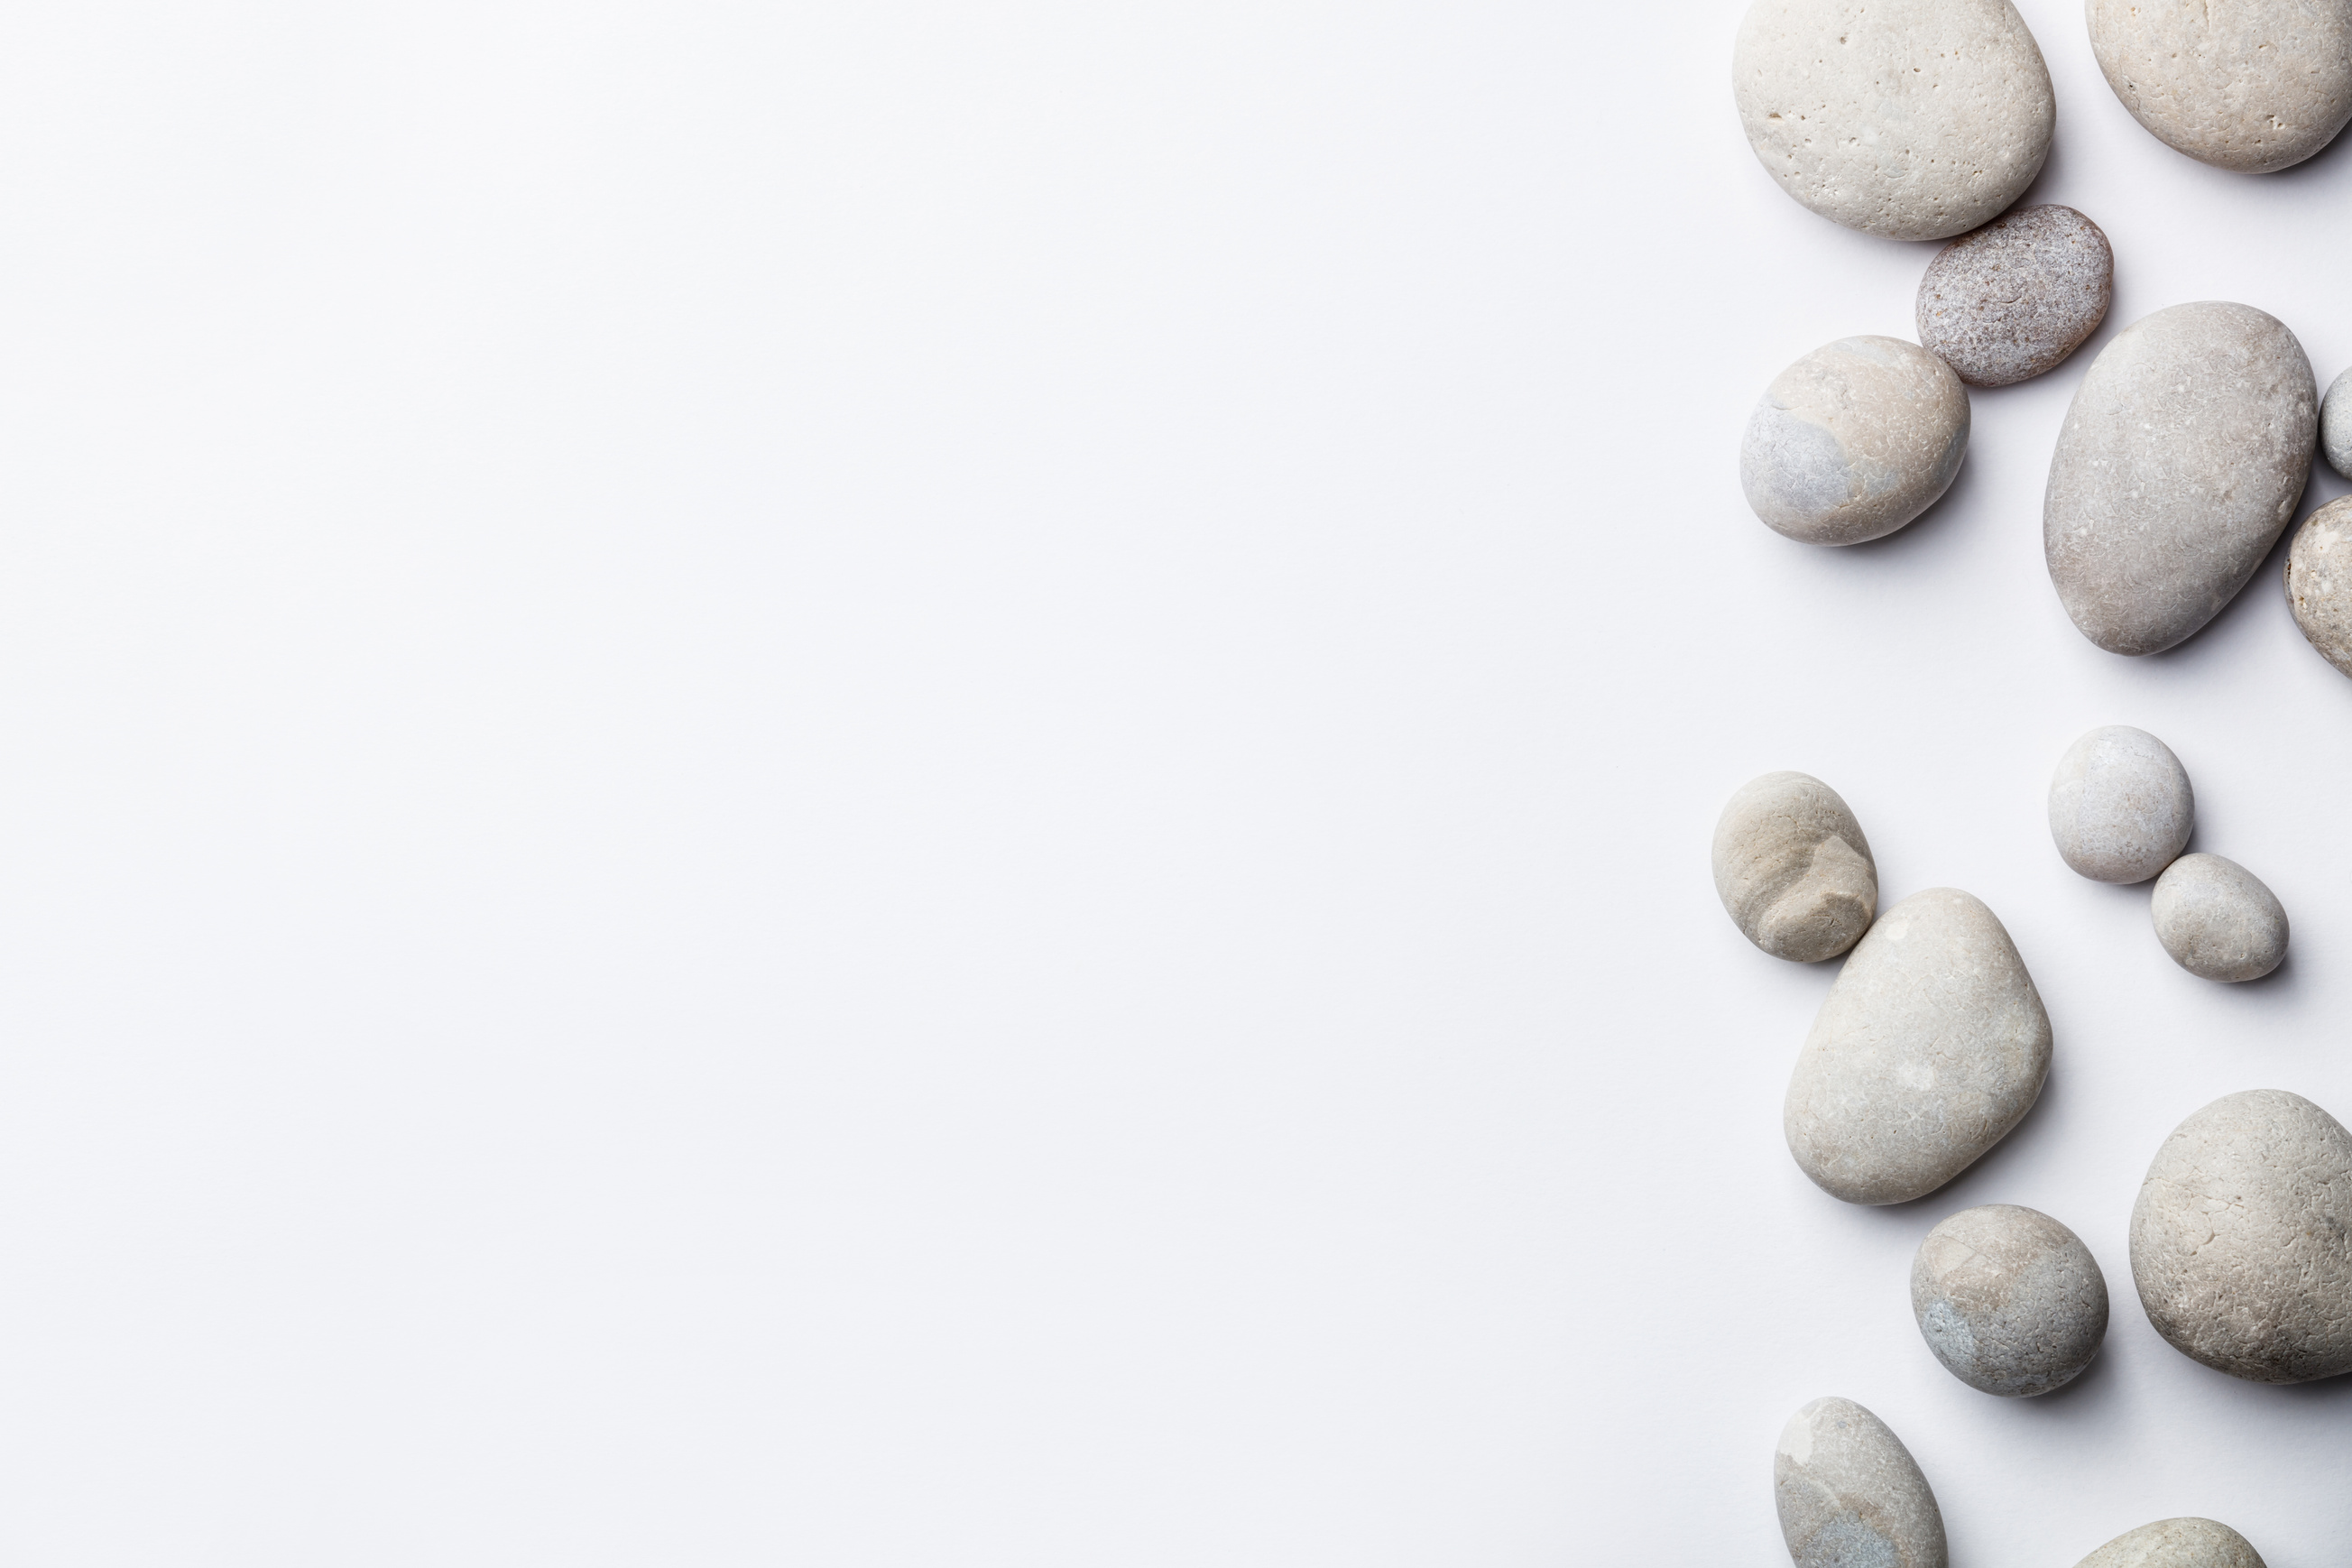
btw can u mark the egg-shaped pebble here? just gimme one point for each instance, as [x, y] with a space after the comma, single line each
[2319, 581]
[2120, 805]
[2176, 1543]
[2179, 463]
[2217, 920]
[2242, 1238]
[1911, 119]
[1931, 1045]
[2009, 1299]
[2335, 424]
[2016, 297]
[1851, 1493]
[1792, 868]
[2251, 85]
[1854, 441]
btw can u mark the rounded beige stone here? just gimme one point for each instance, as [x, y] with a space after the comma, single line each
[2319, 580]
[2251, 85]
[2120, 806]
[1850, 1493]
[1854, 441]
[1792, 868]
[2217, 920]
[2009, 1299]
[2176, 1543]
[2013, 298]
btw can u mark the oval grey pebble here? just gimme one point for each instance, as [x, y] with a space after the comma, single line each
[2120, 805]
[2009, 1299]
[1851, 1494]
[2016, 297]
[2335, 424]
[2176, 1543]
[1792, 868]
[1854, 441]
[2217, 920]
[2319, 581]
[2256, 85]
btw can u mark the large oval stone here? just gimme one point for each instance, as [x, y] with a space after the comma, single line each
[2254, 85]
[2176, 1543]
[1851, 1494]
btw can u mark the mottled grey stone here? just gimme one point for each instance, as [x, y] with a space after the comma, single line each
[2251, 85]
[2018, 296]
[2217, 920]
[1792, 868]
[2242, 1238]
[1912, 119]
[2335, 424]
[2011, 1301]
[2180, 462]
[2175, 1544]
[2120, 805]
[1931, 1045]
[1850, 1495]
[1854, 441]
[2319, 580]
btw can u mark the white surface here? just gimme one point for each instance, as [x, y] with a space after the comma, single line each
[928, 784]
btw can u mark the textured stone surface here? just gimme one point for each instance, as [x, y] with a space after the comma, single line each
[2180, 462]
[2242, 1238]
[2217, 920]
[1931, 1045]
[2253, 85]
[2175, 1544]
[1912, 119]
[2335, 424]
[2319, 580]
[1854, 441]
[2016, 297]
[2120, 805]
[1850, 1495]
[2011, 1301]
[1792, 868]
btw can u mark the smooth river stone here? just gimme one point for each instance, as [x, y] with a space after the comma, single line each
[2175, 1544]
[2217, 920]
[2335, 424]
[1850, 1495]
[1792, 868]
[2011, 1301]
[2251, 85]
[1854, 441]
[2242, 1238]
[1931, 1045]
[2120, 805]
[1911, 119]
[2018, 296]
[2319, 581]
[2181, 460]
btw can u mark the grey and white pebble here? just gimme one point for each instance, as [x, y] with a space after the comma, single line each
[2253, 85]
[2016, 297]
[2176, 1543]
[2010, 1301]
[1911, 119]
[1792, 868]
[2217, 920]
[2335, 424]
[1931, 1045]
[2319, 581]
[2242, 1238]
[2179, 463]
[1854, 441]
[1851, 1494]
[2120, 805]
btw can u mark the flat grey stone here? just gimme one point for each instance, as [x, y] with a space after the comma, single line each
[2335, 424]
[2242, 1238]
[2175, 1544]
[2120, 805]
[2217, 920]
[1854, 441]
[2319, 580]
[2017, 295]
[2253, 85]
[1792, 868]
[1911, 119]
[1850, 1495]
[2179, 463]
[1931, 1045]
[2009, 1299]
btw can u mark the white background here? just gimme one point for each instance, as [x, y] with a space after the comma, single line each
[895, 784]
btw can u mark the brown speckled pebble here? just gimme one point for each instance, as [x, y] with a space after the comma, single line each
[2018, 296]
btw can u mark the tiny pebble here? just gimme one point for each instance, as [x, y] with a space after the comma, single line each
[2120, 805]
[2018, 296]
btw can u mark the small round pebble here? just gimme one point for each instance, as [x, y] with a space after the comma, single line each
[1792, 868]
[2011, 1301]
[2176, 1543]
[1854, 441]
[2120, 805]
[2018, 296]
[2251, 85]
[2217, 920]
[2335, 424]
[2319, 580]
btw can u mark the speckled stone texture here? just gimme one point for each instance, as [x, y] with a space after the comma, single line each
[1911, 119]
[2179, 463]
[1854, 441]
[2175, 1544]
[2120, 805]
[2018, 296]
[2335, 424]
[1792, 868]
[2217, 920]
[2251, 85]
[2009, 1299]
[2242, 1238]
[2319, 581]
[1931, 1045]
[1850, 1495]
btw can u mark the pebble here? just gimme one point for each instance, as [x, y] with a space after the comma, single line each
[1851, 1494]
[2016, 297]
[2180, 462]
[2011, 1301]
[2217, 920]
[1911, 119]
[2237, 1240]
[1854, 441]
[2319, 580]
[2335, 424]
[1931, 1045]
[1793, 869]
[2120, 805]
[2176, 1543]
[2255, 86]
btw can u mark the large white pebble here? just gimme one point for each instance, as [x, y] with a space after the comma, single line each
[2253, 85]
[1851, 1494]
[1854, 441]
[2217, 920]
[1792, 868]
[2176, 1543]
[2120, 805]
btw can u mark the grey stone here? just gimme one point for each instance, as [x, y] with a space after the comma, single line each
[1854, 441]
[2180, 462]
[2120, 805]
[2016, 297]
[1850, 1493]
[1911, 119]
[2319, 580]
[1931, 1045]
[2251, 85]
[2242, 1238]
[2217, 920]
[1792, 868]
[2335, 424]
[2175, 1544]
[2011, 1301]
